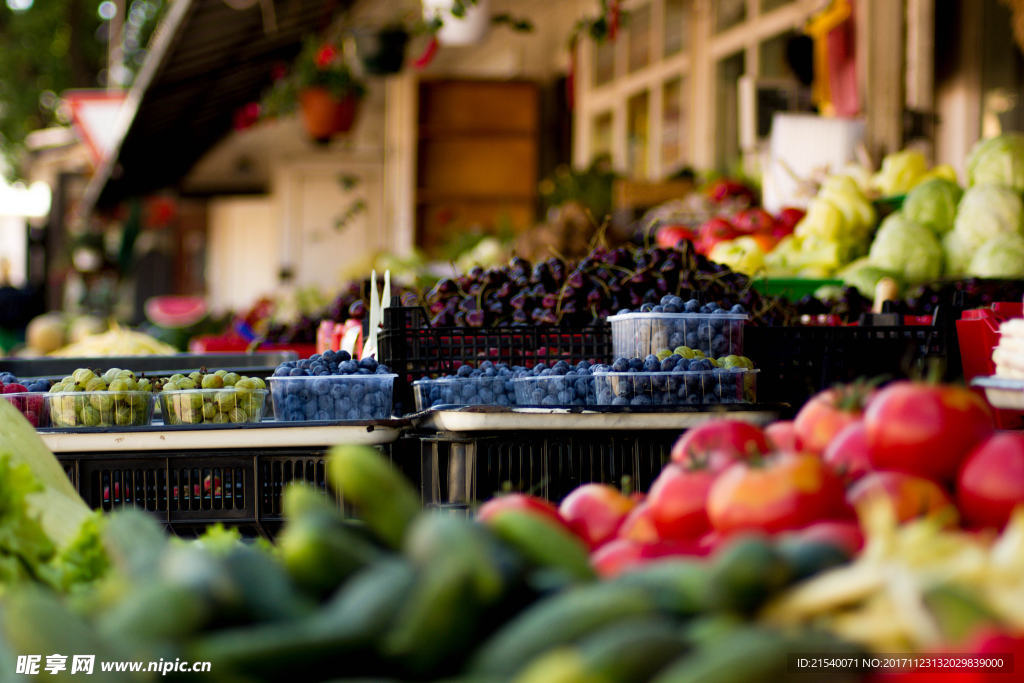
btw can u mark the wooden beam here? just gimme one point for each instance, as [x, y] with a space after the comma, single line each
[883, 22]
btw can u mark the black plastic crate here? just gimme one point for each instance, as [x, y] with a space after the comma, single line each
[195, 488]
[414, 350]
[797, 362]
[459, 470]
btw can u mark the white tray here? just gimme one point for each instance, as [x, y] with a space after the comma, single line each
[1002, 392]
[262, 437]
[560, 419]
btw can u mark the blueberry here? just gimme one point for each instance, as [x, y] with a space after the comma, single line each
[637, 363]
[343, 356]
[671, 308]
[620, 365]
[464, 371]
[646, 308]
[683, 365]
[623, 311]
[348, 367]
[738, 310]
[691, 306]
[652, 364]
[668, 364]
[666, 300]
[641, 401]
[368, 363]
[281, 371]
[619, 401]
[657, 309]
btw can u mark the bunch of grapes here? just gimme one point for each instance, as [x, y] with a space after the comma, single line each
[972, 293]
[585, 292]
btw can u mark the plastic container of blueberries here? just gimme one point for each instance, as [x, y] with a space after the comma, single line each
[464, 391]
[213, 406]
[33, 405]
[637, 335]
[555, 391]
[691, 387]
[332, 398]
[101, 408]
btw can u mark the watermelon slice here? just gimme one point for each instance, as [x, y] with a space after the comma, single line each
[176, 312]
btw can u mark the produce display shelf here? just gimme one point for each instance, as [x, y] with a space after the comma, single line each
[266, 435]
[473, 419]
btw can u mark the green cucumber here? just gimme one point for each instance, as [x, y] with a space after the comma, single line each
[560, 620]
[679, 586]
[632, 650]
[381, 496]
[542, 542]
[353, 620]
[320, 553]
[439, 619]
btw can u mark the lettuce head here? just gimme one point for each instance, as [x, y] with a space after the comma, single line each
[1000, 257]
[933, 204]
[998, 160]
[908, 249]
[988, 211]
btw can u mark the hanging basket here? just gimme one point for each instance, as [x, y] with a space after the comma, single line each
[467, 30]
[324, 115]
[383, 51]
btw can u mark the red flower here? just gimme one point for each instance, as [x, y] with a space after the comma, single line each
[325, 55]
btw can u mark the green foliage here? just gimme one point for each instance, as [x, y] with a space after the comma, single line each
[591, 187]
[54, 46]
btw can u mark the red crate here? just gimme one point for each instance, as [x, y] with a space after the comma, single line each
[978, 332]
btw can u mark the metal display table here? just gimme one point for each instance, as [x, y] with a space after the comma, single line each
[469, 454]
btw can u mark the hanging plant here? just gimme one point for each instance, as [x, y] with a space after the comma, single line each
[461, 22]
[322, 86]
[382, 51]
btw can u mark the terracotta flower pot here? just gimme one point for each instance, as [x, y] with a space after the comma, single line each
[345, 111]
[324, 115]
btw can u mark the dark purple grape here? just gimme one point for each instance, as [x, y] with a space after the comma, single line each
[357, 311]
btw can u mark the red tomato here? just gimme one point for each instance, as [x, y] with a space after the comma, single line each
[518, 501]
[677, 502]
[825, 415]
[712, 232]
[848, 453]
[781, 436]
[639, 526]
[991, 481]
[622, 554]
[724, 188]
[718, 443]
[910, 496]
[595, 512]
[668, 236]
[925, 429]
[787, 219]
[784, 491]
[750, 221]
[843, 534]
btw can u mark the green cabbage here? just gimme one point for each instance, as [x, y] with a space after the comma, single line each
[999, 257]
[933, 204]
[910, 250]
[958, 256]
[998, 160]
[988, 211]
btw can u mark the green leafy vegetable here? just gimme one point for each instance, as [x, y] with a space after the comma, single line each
[908, 249]
[933, 204]
[1000, 257]
[998, 160]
